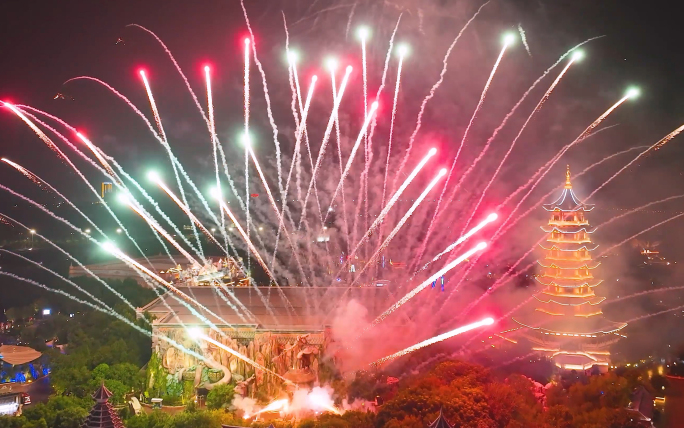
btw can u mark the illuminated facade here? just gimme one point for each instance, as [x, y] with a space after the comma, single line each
[568, 325]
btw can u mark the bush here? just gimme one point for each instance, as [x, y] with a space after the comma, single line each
[220, 397]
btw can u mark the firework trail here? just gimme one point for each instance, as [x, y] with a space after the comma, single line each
[547, 167]
[363, 34]
[40, 182]
[332, 65]
[98, 308]
[298, 139]
[643, 231]
[155, 178]
[507, 276]
[421, 251]
[654, 314]
[362, 132]
[201, 111]
[529, 118]
[543, 198]
[424, 284]
[57, 247]
[643, 293]
[278, 214]
[196, 333]
[28, 174]
[246, 138]
[127, 259]
[326, 137]
[68, 281]
[156, 136]
[524, 357]
[389, 206]
[62, 156]
[403, 220]
[439, 338]
[214, 140]
[430, 95]
[124, 258]
[304, 131]
[490, 218]
[524, 39]
[153, 223]
[659, 144]
[263, 264]
[98, 154]
[402, 53]
[162, 134]
[507, 42]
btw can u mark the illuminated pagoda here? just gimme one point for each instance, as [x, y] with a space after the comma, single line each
[568, 325]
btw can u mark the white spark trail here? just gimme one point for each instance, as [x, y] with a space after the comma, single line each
[430, 95]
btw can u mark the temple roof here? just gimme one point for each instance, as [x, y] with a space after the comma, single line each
[569, 246]
[571, 326]
[568, 229]
[569, 301]
[568, 264]
[440, 422]
[299, 314]
[102, 415]
[567, 200]
[17, 355]
[568, 283]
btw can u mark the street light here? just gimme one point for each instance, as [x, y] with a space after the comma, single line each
[33, 232]
[118, 230]
[213, 229]
[87, 231]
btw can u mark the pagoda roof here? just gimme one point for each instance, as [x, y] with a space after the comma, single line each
[102, 393]
[569, 264]
[568, 246]
[569, 283]
[440, 422]
[567, 326]
[102, 415]
[569, 301]
[567, 200]
[565, 229]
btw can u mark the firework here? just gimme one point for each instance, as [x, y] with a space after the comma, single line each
[423, 285]
[439, 338]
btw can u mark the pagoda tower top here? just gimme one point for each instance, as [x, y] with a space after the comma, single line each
[102, 415]
[568, 184]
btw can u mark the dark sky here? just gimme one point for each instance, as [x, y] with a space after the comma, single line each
[44, 43]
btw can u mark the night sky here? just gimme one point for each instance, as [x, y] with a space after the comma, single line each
[45, 43]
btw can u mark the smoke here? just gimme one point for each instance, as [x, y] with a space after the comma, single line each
[247, 405]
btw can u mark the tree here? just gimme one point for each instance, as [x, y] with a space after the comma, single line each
[220, 397]
[71, 417]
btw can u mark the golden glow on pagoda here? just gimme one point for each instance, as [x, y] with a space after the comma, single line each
[567, 324]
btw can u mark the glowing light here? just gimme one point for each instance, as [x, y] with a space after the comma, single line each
[363, 33]
[332, 64]
[194, 333]
[402, 50]
[577, 55]
[509, 39]
[207, 69]
[247, 41]
[32, 231]
[153, 176]
[292, 56]
[633, 93]
[485, 322]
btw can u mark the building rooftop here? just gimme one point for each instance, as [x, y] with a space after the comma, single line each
[290, 308]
